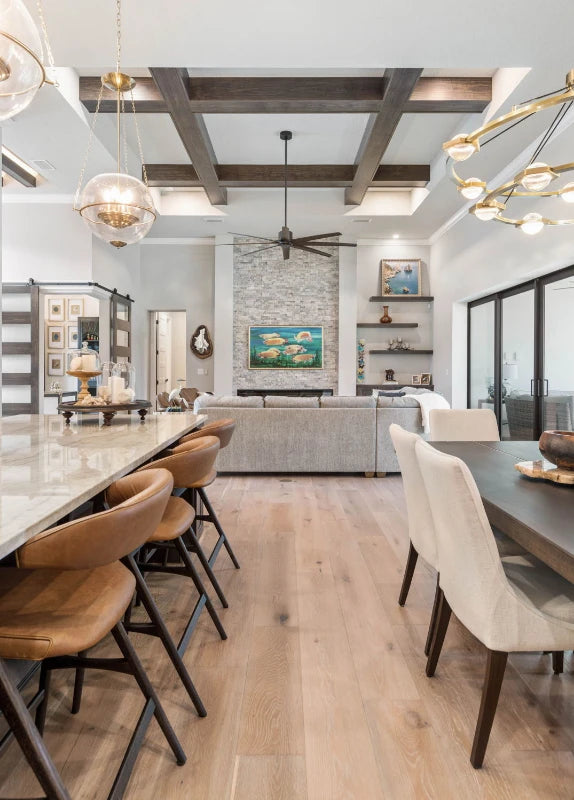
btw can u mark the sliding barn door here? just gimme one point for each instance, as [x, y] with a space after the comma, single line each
[20, 350]
[121, 329]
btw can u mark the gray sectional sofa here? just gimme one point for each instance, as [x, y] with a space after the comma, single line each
[308, 434]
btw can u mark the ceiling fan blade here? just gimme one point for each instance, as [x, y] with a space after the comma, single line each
[330, 244]
[260, 250]
[314, 238]
[310, 250]
[264, 238]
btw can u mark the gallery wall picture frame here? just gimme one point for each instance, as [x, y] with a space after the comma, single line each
[56, 310]
[426, 379]
[75, 308]
[55, 337]
[55, 363]
[73, 337]
[296, 347]
[401, 277]
[416, 380]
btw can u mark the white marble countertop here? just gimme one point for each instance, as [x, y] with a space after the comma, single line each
[48, 469]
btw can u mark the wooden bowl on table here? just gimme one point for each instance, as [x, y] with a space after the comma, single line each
[558, 448]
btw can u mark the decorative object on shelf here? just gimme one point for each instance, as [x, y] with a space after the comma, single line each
[83, 364]
[75, 308]
[56, 310]
[361, 360]
[386, 319]
[426, 379]
[398, 344]
[22, 70]
[558, 448]
[116, 206]
[285, 239]
[543, 470]
[389, 376]
[73, 336]
[400, 277]
[55, 363]
[55, 336]
[533, 181]
[416, 380]
[200, 342]
[285, 347]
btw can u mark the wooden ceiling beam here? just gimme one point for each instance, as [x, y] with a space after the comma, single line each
[299, 175]
[338, 95]
[17, 172]
[399, 84]
[172, 83]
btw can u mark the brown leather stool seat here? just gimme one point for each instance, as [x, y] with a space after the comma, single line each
[222, 428]
[50, 612]
[207, 480]
[177, 519]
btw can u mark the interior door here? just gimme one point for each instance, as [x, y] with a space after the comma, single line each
[519, 413]
[163, 352]
[556, 387]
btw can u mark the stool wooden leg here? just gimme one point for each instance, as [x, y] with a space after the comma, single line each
[14, 709]
[220, 531]
[163, 633]
[128, 652]
[558, 662]
[204, 561]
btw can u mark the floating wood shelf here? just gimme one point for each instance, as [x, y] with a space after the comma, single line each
[387, 324]
[400, 298]
[401, 352]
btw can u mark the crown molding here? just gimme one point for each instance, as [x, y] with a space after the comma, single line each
[189, 240]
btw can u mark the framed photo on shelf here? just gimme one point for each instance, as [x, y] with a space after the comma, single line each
[56, 309]
[55, 336]
[426, 379]
[55, 363]
[400, 277]
[72, 337]
[416, 380]
[75, 308]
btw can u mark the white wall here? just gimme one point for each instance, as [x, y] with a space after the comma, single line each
[178, 277]
[369, 258]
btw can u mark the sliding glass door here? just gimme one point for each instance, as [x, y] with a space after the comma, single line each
[520, 361]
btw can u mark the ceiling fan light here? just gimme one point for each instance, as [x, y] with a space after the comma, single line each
[21, 69]
[459, 148]
[532, 224]
[567, 193]
[472, 188]
[536, 177]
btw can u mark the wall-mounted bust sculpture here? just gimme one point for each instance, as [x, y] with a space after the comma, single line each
[200, 343]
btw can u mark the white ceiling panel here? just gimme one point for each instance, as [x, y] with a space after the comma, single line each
[317, 138]
[419, 137]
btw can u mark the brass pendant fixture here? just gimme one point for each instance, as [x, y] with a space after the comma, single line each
[22, 70]
[531, 182]
[116, 206]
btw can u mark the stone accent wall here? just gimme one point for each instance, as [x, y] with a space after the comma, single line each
[269, 291]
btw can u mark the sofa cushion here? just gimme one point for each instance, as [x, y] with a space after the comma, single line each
[347, 402]
[232, 401]
[285, 401]
[397, 402]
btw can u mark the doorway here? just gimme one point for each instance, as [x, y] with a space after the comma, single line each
[168, 352]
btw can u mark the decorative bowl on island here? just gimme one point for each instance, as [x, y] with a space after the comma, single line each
[558, 448]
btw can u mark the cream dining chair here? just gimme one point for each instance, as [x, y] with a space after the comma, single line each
[514, 605]
[463, 425]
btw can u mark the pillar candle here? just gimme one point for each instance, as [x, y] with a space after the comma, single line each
[117, 386]
[89, 363]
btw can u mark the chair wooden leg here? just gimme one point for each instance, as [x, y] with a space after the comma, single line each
[558, 662]
[128, 652]
[442, 620]
[434, 614]
[18, 717]
[495, 667]
[408, 576]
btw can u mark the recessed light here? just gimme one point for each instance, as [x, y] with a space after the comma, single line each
[395, 235]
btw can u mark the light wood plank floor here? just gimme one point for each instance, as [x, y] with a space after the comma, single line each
[320, 692]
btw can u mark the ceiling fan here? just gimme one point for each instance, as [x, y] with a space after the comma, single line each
[285, 239]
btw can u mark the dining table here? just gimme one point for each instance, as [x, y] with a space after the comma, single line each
[536, 513]
[49, 469]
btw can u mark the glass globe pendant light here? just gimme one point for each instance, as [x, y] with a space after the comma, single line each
[567, 193]
[536, 177]
[22, 70]
[532, 224]
[116, 207]
[472, 188]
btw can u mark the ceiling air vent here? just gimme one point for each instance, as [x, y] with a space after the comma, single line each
[362, 219]
[213, 219]
[43, 165]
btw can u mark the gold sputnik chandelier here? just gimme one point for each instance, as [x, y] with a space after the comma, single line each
[534, 181]
[116, 206]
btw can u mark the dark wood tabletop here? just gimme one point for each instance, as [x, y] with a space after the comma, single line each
[537, 514]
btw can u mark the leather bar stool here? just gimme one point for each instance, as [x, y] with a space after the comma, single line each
[189, 466]
[222, 428]
[70, 594]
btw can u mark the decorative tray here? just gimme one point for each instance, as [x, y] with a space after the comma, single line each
[109, 411]
[544, 470]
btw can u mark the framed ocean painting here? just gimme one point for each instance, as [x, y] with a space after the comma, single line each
[400, 276]
[285, 347]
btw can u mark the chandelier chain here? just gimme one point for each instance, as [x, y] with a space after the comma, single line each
[124, 136]
[140, 148]
[51, 63]
[118, 33]
[88, 149]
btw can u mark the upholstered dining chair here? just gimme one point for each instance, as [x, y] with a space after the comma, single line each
[192, 466]
[67, 593]
[463, 425]
[512, 605]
